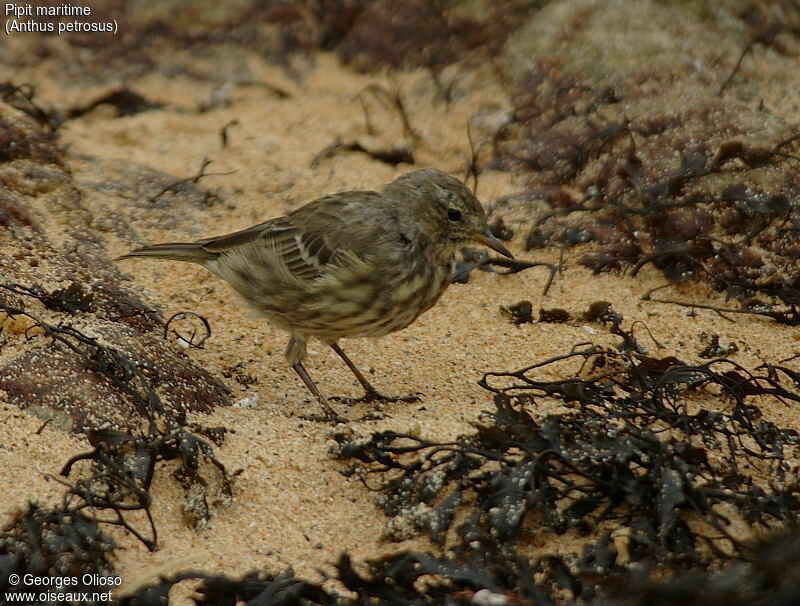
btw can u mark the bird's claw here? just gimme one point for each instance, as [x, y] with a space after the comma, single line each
[328, 416]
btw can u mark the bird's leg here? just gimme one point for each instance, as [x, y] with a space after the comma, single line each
[330, 413]
[370, 393]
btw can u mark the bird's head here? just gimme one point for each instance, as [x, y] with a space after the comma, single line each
[444, 210]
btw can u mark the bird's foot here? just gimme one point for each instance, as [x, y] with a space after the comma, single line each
[329, 415]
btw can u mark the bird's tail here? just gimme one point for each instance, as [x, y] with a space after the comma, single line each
[175, 251]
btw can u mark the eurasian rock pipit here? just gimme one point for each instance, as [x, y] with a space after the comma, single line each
[352, 264]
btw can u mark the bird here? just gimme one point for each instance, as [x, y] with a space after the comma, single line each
[347, 265]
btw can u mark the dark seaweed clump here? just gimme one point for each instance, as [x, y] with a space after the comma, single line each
[69, 540]
[648, 472]
[768, 577]
[652, 467]
[706, 191]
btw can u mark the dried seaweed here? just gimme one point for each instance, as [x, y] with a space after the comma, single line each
[178, 185]
[768, 576]
[662, 456]
[123, 468]
[754, 307]
[714, 349]
[407, 578]
[192, 339]
[392, 100]
[554, 315]
[766, 25]
[400, 154]
[134, 379]
[723, 212]
[19, 141]
[123, 373]
[426, 34]
[123, 461]
[223, 133]
[61, 542]
[126, 101]
[519, 313]
[21, 97]
[71, 299]
[68, 541]
[478, 259]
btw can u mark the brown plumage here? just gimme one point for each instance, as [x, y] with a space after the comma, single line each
[352, 264]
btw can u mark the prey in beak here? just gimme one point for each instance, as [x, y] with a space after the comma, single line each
[487, 239]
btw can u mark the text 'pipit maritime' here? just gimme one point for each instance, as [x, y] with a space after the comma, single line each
[352, 264]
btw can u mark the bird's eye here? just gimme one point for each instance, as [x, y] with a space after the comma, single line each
[454, 214]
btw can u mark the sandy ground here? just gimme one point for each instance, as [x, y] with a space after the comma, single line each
[292, 506]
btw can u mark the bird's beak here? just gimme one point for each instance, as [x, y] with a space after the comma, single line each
[487, 239]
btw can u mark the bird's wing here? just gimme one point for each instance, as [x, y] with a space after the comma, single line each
[304, 242]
